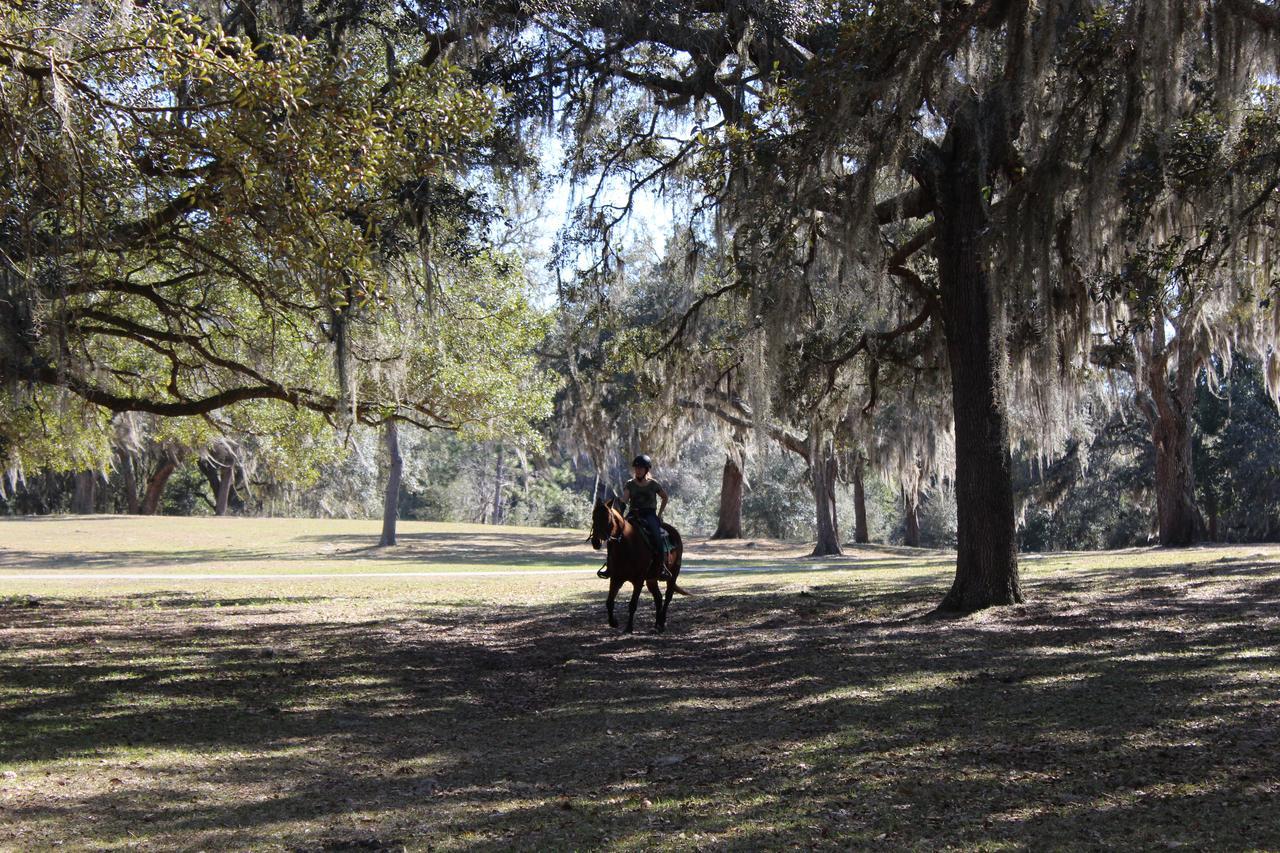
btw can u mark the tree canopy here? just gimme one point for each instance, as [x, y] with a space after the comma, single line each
[204, 215]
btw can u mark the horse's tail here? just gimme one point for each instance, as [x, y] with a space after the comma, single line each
[677, 546]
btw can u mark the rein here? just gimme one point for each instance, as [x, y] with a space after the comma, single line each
[617, 526]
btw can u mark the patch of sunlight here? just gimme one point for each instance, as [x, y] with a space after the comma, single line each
[1059, 678]
[837, 694]
[1053, 651]
[20, 695]
[123, 704]
[118, 676]
[131, 661]
[912, 683]
[1227, 698]
[1154, 657]
[359, 681]
[1246, 654]
[1070, 737]
[1135, 800]
[741, 816]
[185, 675]
[706, 703]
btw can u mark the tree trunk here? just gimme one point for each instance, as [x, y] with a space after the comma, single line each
[911, 514]
[731, 485]
[226, 479]
[822, 474]
[987, 554]
[84, 499]
[497, 488]
[155, 487]
[1213, 520]
[1169, 412]
[221, 475]
[395, 466]
[130, 483]
[860, 534]
[1180, 520]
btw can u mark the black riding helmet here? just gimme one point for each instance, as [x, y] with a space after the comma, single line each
[642, 461]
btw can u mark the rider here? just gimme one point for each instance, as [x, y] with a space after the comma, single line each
[642, 493]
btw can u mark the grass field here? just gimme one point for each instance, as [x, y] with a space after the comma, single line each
[279, 685]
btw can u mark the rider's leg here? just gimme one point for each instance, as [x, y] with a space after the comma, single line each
[650, 520]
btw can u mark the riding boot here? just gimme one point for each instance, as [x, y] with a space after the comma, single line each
[660, 564]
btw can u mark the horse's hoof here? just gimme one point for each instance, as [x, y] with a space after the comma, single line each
[613, 623]
[661, 628]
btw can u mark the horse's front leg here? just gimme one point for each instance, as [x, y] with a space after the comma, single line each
[660, 616]
[615, 584]
[636, 586]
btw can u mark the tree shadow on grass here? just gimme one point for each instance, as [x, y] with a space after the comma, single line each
[71, 561]
[1132, 709]
[498, 547]
[453, 548]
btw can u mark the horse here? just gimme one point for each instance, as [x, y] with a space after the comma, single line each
[630, 559]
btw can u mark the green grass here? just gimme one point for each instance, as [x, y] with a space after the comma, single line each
[1133, 702]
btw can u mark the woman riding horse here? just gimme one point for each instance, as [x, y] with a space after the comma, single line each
[642, 492]
[632, 558]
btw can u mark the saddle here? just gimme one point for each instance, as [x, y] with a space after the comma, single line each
[665, 546]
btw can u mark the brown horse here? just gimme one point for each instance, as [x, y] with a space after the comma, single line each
[630, 559]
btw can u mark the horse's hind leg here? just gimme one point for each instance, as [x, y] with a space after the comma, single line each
[660, 617]
[615, 584]
[636, 586]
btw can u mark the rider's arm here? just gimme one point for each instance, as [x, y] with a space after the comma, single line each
[662, 495]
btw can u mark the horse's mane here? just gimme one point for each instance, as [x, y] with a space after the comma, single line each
[614, 515]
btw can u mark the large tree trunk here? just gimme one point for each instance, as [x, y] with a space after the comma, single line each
[860, 534]
[395, 467]
[911, 518]
[130, 483]
[731, 485]
[987, 554]
[1169, 412]
[822, 480]
[1180, 520]
[226, 480]
[84, 498]
[155, 487]
[221, 474]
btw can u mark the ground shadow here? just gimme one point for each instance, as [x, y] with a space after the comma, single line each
[1131, 709]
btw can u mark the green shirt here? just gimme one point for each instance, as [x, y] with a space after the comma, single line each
[643, 495]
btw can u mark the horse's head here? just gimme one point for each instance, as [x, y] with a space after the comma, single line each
[601, 523]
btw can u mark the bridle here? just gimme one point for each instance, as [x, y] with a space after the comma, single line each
[615, 529]
[608, 541]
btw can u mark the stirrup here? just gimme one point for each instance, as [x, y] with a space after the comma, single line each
[603, 572]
